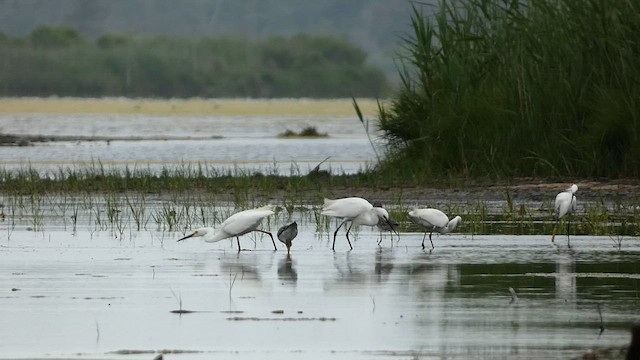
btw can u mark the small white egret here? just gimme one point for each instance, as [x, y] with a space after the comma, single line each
[433, 220]
[356, 210]
[565, 205]
[238, 224]
[287, 233]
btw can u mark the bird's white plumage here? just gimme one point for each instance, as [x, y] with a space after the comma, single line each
[429, 218]
[434, 220]
[371, 217]
[566, 201]
[345, 208]
[565, 204]
[356, 210]
[241, 223]
[235, 225]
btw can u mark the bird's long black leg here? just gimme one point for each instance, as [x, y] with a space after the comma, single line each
[431, 241]
[336, 233]
[271, 236]
[238, 240]
[424, 238]
[349, 241]
[568, 226]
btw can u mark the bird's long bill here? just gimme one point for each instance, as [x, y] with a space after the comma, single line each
[391, 226]
[188, 236]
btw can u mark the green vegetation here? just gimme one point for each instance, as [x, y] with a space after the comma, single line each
[509, 88]
[58, 61]
[123, 201]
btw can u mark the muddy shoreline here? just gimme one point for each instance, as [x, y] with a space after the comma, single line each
[605, 190]
[28, 140]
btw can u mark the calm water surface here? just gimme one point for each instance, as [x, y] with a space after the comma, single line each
[222, 142]
[87, 294]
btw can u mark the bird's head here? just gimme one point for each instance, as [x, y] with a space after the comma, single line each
[453, 223]
[197, 233]
[383, 216]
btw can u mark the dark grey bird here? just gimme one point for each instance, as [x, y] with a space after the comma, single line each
[287, 233]
[384, 226]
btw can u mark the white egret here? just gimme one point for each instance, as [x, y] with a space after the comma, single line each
[433, 220]
[238, 224]
[356, 210]
[287, 233]
[565, 205]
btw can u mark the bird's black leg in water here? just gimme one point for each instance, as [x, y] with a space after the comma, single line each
[238, 240]
[349, 241]
[568, 226]
[271, 236]
[424, 238]
[431, 241]
[336, 233]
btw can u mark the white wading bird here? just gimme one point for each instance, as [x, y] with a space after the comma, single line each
[356, 210]
[287, 233]
[565, 205]
[433, 220]
[238, 224]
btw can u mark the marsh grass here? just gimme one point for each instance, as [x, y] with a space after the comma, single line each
[517, 88]
[178, 200]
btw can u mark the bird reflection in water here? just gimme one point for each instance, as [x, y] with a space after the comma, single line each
[287, 270]
[248, 266]
[383, 264]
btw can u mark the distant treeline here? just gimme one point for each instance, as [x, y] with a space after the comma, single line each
[59, 61]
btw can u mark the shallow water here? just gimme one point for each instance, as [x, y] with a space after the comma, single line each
[89, 295]
[224, 142]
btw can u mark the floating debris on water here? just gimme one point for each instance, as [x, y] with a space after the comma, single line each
[253, 318]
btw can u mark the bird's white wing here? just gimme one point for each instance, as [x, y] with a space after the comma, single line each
[429, 217]
[244, 221]
[346, 207]
[564, 203]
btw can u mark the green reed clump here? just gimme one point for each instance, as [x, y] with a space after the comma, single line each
[517, 88]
